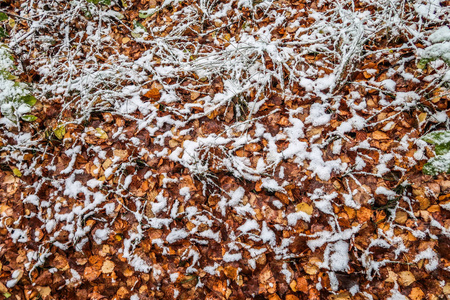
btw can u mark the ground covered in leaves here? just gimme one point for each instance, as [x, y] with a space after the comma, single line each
[225, 150]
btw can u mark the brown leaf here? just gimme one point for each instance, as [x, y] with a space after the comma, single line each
[91, 274]
[312, 267]
[302, 285]
[379, 135]
[61, 263]
[3, 288]
[231, 272]
[267, 283]
[122, 292]
[96, 261]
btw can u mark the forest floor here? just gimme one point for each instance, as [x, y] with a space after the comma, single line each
[223, 149]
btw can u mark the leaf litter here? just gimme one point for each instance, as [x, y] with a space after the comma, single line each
[233, 149]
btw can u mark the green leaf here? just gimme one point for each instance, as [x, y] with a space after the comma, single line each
[29, 99]
[13, 77]
[428, 169]
[104, 2]
[437, 137]
[139, 29]
[147, 13]
[3, 16]
[7, 295]
[29, 118]
[3, 32]
[422, 64]
[442, 149]
[436, 165]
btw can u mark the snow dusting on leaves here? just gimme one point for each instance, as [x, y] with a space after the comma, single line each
[224, 149]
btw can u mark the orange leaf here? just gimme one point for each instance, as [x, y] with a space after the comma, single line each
[153, 94]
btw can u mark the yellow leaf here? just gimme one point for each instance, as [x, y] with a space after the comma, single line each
[101, 133]
[60, 132]
[213, 114]
[422, 117]
[304, 207]
[17, 172]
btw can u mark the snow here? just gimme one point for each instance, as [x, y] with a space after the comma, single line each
[294, 217]
[228, 257]
[317, 115]
[176, 235]
[440, 35]
[429, 9]
[389, 84]
[339, 259]
[317, 60]
[287, 274]
[267, 235]
[432, 258]
[248, 226]
[101, 235]
[15, 278]
[271, 185]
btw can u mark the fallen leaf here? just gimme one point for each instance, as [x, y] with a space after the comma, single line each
[416, 294]
[44, 291]
[379, 135]
[3, 288]
[17, 172]
[406, 278]
[101, 133]
[108, 267]
[91, 274]
[153, 94]
[302, 285]
[304, 207]
[59, 132]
